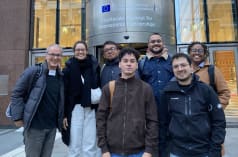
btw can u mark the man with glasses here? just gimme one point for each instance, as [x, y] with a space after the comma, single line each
[110, 70]
[191, 120]
[155, 68]
[37, 103]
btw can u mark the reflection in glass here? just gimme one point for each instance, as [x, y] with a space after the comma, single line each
[222, 19]
[70, 22]
[44, 23]
[190, 23]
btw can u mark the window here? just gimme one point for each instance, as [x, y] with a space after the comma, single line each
[190, 22]
[222, 20]
[45, 25]
[70, 22]
[220, 24]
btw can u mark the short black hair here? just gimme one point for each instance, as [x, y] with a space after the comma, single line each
[109, 42]
[154, 34]
[199, 43]
[80, 42]
[129, 50]
[182, 55]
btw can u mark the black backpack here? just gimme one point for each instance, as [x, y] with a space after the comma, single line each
[34, 77]
[211, 74]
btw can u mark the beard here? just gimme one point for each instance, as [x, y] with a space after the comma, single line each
[185, 79]
[156, 52]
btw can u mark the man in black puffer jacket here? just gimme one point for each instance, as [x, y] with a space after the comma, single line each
[191, 118]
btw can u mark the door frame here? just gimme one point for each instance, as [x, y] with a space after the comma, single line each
[213, 49]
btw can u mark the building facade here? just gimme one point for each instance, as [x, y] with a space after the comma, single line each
[29, 26]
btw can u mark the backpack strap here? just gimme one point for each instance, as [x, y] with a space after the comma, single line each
[141, 63]
[34, 78]
[111, 89]
[211, 74]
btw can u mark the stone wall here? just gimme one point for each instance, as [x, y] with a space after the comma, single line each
[14, 43]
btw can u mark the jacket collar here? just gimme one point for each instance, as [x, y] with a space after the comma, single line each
[150, 55]
[114, 61]
[46, 70]
[131, 79]
[174, 85]
[201, 65]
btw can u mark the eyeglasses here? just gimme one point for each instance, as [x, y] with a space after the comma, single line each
[82, 50]
[55, 55]
[197, 50]
[183, 65]
[154, 41]
[110, 49]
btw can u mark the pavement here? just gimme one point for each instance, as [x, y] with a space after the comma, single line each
[60, 150]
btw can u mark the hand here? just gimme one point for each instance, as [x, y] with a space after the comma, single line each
[165, 50]
[146, 154]
[65, 123]
[18, 123]
[107, 154]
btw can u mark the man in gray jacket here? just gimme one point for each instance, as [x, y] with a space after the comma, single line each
[37, 103]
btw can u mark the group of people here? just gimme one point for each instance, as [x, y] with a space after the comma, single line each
[155, 105]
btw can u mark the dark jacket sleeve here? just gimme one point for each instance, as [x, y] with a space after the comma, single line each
[218, 125]
[151, 136]
[19, 94]
[101, 119]
[67, 110]
[164, 119]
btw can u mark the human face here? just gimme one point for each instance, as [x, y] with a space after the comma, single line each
[53, 57]
[110, 51]
[182, 70]
[80, 51]
[128, 66]
[197, 54]
[155, 44]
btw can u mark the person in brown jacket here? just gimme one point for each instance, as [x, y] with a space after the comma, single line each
[198, 53]
[127, 124]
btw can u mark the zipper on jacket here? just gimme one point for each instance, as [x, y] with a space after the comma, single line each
[186, 106]
[189, 106]
[124, 118]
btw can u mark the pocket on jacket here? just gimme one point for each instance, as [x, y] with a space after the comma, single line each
[201, 126]
[177, 127]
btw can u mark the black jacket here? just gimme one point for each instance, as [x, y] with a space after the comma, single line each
[192, 122]
[110, 71]
[75, 91]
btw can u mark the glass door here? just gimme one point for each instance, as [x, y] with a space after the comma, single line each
[226, 59]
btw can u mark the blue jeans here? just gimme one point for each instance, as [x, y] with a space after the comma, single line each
[173, 155]
[132, 155]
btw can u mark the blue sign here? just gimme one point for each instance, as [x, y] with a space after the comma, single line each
[106, 8]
